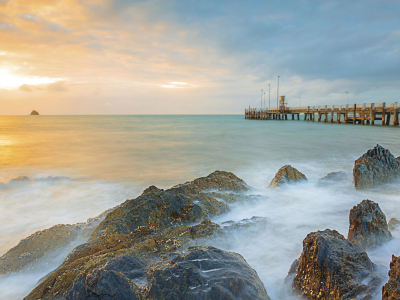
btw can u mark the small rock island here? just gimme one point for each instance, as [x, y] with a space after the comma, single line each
[34, 113]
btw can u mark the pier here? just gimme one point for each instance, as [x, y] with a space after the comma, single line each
[363, 114]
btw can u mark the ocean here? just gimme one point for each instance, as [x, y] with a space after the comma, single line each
[78, 166]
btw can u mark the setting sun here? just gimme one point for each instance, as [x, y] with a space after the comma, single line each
[12, 81]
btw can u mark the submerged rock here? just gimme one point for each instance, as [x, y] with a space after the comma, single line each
[251, 226]
[393, 224]
[204, 273]
[287, 175]
[235, 197]
[330, 267]
[45, 246]
[34, 113]
[391, 290]
[19, 180]
[24, 256]
[368, 228]
[333, 177]
[376, 167]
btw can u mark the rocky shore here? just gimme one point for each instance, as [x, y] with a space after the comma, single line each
[159, 245]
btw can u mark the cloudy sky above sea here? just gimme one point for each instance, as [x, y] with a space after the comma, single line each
[196, 57]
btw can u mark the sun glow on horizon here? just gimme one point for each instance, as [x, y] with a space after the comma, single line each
[12, 81]
[177, 85]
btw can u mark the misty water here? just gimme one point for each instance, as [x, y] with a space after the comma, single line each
[79, 166]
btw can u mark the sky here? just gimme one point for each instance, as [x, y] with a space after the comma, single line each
[194, 57]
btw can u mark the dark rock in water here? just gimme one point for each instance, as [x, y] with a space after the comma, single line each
[47, 245]
[52, 178]
[294, 266]
[235, 198]
[181, 204]
[393, 223]
[287, 175]
[391, 290]
[23, 256]
[330, 267]
[248, 227]
[333, 177]
[100, 253]
[105, 285]
[368, 228]
[34, 113]
[152, 189]
[376, 167]
[154, 224]
[204, 273]
[19, 180]
[218, 180]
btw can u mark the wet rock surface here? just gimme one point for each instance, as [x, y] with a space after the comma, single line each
[287, 175]
[333, 177]
[393, 224]
[376, 167]
[205, 273]
[155, 224]
[152, 189]
[45, 246]
[113, 280]
[23, 257]
[391, 290]
[368, 228]
[330, 267]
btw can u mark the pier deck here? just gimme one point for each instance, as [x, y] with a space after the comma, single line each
[366, 113]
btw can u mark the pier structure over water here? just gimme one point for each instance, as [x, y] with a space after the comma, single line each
[366, 113]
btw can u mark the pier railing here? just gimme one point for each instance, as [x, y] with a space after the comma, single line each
[364, 113]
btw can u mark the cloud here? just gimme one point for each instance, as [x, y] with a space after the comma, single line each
[57, 87]
[28, 17]
[228, 50]
[26, 88]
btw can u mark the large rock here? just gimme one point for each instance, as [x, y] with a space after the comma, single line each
[34, 113]
[205, 273]
[330, 267]
[155, 223]
[368, 228]
[97, 255]
[287, 175]
[391, 290]
[376, 167]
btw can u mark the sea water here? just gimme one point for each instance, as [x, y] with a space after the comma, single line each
[78, 166]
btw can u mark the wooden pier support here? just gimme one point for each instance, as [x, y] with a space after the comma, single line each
[383, 113]
[363, 114]
[373, 114]
[319, 113]
[339, 114]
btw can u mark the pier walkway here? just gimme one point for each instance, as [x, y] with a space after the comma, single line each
[366, 113]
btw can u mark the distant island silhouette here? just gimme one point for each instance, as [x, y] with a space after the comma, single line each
[34, 113]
